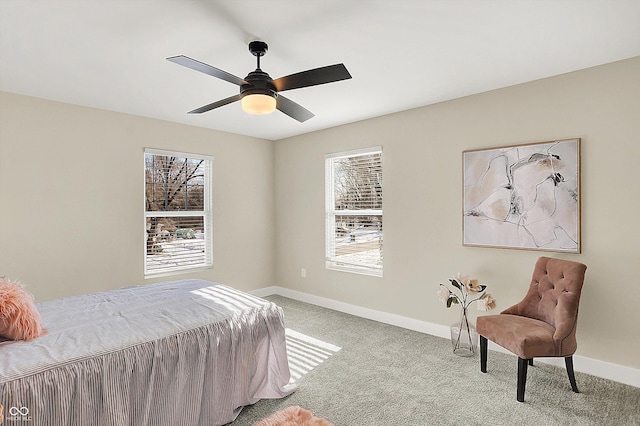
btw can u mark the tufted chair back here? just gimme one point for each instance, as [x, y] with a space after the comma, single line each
[553, 297]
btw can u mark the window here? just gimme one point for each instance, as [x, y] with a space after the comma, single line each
[353, 183]
[177, 212]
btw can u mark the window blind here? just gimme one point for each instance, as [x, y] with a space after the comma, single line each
[354, 232]
[177, 213]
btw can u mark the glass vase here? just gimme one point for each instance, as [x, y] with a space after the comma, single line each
[464, 337]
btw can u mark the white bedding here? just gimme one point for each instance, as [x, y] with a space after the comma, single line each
[174, 353]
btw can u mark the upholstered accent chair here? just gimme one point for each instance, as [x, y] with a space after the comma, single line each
[543, 324]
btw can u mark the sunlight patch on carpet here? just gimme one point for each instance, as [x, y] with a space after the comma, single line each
[305, 353]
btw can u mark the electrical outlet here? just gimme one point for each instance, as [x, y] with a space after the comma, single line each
[303, 273]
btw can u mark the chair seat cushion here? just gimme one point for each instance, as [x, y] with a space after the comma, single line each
[525, 337]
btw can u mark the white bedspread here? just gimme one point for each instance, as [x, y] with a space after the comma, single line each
[186, 352]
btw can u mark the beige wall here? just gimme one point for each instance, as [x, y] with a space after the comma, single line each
[71, 188]
[71, 198]
[422, 151]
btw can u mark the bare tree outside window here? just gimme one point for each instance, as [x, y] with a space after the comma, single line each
[354, 212]
[176, 211]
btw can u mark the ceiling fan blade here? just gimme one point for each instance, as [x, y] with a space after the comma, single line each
[292, 109]
[313, 77]
[207, 69]
[215, 104]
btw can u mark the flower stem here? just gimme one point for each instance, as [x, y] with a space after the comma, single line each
[468, 331]
[464, 321]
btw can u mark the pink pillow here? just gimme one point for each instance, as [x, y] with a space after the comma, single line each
[19, 318]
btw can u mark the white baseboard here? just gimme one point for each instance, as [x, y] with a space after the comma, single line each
[607, 370]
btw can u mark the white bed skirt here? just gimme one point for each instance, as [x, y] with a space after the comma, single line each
[178, 353]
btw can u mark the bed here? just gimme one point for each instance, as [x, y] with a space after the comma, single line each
[187, 352]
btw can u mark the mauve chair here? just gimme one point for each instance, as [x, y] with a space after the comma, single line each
[543, 324]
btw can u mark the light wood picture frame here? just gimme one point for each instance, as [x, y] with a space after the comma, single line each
[523, 196]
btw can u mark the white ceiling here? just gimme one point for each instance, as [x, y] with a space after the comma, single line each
[402, 54]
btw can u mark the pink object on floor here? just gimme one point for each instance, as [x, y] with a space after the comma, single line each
[293, 416]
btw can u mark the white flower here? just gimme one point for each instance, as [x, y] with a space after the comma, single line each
[443, 294]
[472, 286]
[489, 302]
[465, 292]
[462, 279]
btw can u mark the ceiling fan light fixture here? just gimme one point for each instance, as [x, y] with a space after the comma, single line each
[258, 104]
[259, 93]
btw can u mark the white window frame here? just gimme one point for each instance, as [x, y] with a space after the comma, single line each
[330, 213]
[206, 214]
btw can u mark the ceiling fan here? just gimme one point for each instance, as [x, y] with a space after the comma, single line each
[259, 93]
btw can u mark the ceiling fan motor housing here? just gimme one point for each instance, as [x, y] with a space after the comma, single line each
[259, 84]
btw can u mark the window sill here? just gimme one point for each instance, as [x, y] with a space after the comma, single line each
[177, 272]
[354, 270]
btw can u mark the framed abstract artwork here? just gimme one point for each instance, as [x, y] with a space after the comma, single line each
[523, 196]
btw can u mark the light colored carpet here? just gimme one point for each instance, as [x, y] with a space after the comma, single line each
[293, 416]
[357, 372]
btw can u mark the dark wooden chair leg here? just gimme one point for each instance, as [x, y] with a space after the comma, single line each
[522, 377]
[483, 354]
[530, 361]
[568, 361]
